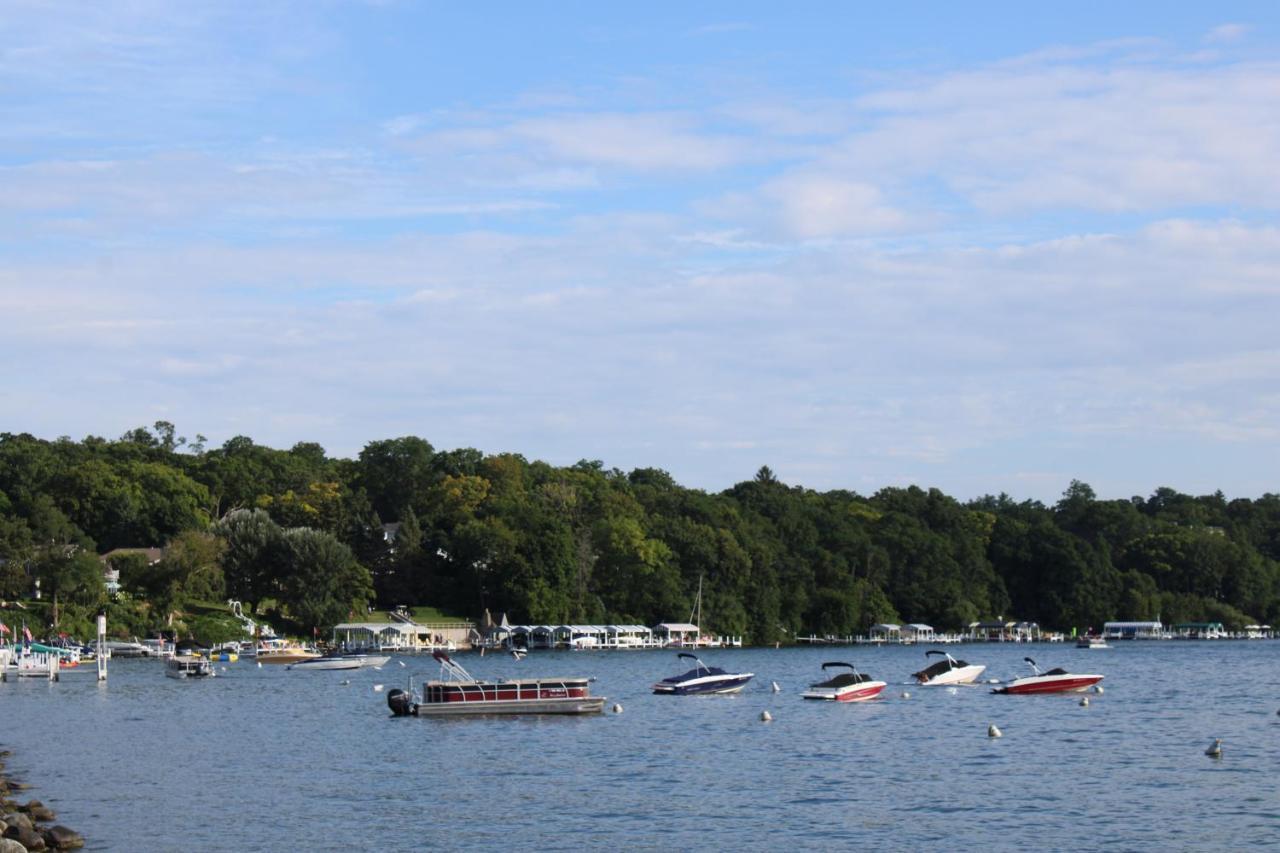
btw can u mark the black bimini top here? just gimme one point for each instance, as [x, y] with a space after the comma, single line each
[934, 670]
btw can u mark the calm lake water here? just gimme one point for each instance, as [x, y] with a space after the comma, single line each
[263, 758]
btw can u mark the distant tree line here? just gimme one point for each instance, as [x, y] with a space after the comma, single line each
[318, 539]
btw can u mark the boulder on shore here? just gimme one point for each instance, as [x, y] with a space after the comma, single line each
[8, 845]
[28, 838]
[60, 838]
[18, 819]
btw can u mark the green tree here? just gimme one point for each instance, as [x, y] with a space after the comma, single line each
[323, 584]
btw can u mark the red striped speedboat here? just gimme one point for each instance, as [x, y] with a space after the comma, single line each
[456, 693]
[1053, 681]
[851, 686]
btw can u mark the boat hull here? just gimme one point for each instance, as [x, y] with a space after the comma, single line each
[705, 686]
[521, 696]
[343, 662]
[571, 705]
[959, 675]
[1049, 684]
[851, 693]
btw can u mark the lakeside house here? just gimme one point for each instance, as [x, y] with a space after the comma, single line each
[404, 636]
[111, 575]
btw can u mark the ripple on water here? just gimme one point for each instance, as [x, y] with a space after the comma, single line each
[275, 751]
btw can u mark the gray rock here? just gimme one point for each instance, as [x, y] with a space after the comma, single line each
[18, 819]
[8, 845]
[44, 814]
[30, 804]
[28, 838]
[60, 838]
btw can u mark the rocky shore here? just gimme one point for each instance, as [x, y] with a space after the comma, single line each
[29, 826]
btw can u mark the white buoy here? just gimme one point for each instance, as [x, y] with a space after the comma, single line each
[400, 662]
[1097, 688]
[992, 731]
[776, 688]
[346, 681]
[1215, 748]
[1084, 702]
[377, 688]
[259, 664]
[765, 716]
[906, 695]
[617, 707]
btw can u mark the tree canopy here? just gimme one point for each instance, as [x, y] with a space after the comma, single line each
[318, 538]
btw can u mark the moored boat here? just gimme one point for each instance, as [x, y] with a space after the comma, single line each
[702, 679]
[276, 650]
[1092, 641]
[457, 693]
[851, 686]
[1056, 680]
[948, 671]
[339, 660]
[188, 666]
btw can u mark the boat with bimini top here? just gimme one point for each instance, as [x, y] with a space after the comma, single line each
[1056, 680]
[948, 671]
[851, 686]
[702, 679]
[457, 693]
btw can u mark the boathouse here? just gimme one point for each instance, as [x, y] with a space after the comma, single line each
[917, 633]
[886, 632]
[1132, 630]
[1199, 631]
[676, 633]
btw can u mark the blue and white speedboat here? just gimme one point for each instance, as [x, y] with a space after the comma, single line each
[702, 679]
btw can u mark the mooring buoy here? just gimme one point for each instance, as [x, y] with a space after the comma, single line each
[1215, 748]
[765, 716]
[992, 731]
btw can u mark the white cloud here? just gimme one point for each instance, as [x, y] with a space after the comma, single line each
[643, 142]
[813, 206]
[1225, 33]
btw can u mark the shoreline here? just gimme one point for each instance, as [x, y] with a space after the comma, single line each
[29, 826]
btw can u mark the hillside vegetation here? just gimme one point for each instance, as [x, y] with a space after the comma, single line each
[301, 535]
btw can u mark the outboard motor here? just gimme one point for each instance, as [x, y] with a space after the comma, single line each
[400, 702]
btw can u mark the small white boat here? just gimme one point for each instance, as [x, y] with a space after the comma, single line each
[1091, 641]
[948, 671]
[851, 686]
[355, 660]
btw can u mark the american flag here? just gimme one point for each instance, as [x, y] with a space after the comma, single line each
[4, 629]
[26, 632]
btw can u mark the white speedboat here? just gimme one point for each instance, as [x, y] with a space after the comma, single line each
[1091, 641]
[702, 679]
[851, 686]
[355, 660]
[948, 671]
[1054, 681]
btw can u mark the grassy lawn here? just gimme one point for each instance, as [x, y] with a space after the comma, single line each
[420, 614]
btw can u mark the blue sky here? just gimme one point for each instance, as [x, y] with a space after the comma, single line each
[987, 250]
